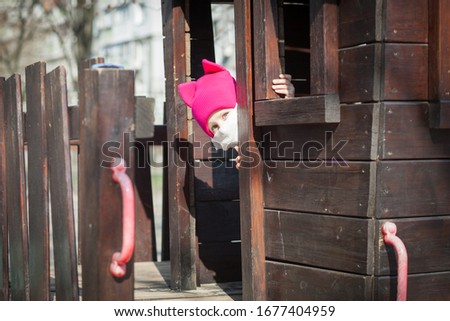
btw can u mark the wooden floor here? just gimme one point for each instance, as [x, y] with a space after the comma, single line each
[152, 282]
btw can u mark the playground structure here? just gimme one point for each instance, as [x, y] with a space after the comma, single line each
[364, 144]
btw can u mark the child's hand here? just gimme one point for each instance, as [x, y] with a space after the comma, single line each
[283, 86]
[238, 158]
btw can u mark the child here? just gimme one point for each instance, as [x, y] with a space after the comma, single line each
[213, 101]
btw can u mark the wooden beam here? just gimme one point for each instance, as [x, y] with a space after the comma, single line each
[250, 175]
[324, 109]
[181, 221]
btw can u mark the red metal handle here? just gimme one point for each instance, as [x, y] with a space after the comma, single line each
[120, 259]
[389, 230]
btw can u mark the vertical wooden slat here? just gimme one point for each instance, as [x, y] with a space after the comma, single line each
[250, 174]
[324, 47]
[38, 183]
[16, 195]
[64, 245]
[107, 116]
[82, 66]
[265, 42]
[181, 222]
[4, 278]
[439, 63]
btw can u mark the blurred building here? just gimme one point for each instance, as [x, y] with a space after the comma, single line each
[129, 33]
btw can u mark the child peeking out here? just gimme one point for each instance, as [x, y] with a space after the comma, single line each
[213, 101]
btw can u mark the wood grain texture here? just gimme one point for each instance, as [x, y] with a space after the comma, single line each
[439, 64]
[16, 196]
[250, 175]
[38, 197]
[412, 188]
[109, 102]
[181, 220]
[426, 241]
[323, 109]
[4, 266]
[337, 243]
[59, 162]
[287, 282]
[319, 187]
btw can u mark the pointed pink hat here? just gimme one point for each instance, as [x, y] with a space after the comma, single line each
[215, 90]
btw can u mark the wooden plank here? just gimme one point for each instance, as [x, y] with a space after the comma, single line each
[301, 110]
[420, 142]
[405, 72]
[359, 22]
[360, 73]
[38, 215]
[406, 21]
[219, 262]
[324, 47]
[4, 270]
[354, 138]
[181, 220]
[109, 102]
[250, 174]
[439, 64]
[212, 217]
[426, 241]
[16, 196]
[324, 241]
[59, 163]
[319, 187]
[287, 282]
[421, 287]
[74, 124]
[413, 188]
[265, 46]
[216, 180]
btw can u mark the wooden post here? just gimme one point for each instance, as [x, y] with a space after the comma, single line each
[59, 162]
[106, 117]
[266, 52]
[250, 174]
[16, 196]
[181, 222]
[38, 182]
[439, 63]
[324, 47]
[4, 274]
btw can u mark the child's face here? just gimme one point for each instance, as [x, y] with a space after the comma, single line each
[217, 119]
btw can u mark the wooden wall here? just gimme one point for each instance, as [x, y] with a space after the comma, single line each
[329, 188]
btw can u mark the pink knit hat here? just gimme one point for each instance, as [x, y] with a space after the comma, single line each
[215, 90]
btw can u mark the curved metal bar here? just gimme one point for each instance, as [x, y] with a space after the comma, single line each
[389, 230]
[120, 259]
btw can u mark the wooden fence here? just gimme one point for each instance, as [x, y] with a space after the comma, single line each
[36, 190]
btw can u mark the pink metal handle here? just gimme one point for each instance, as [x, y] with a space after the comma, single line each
[120, 259]
[389, 230]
